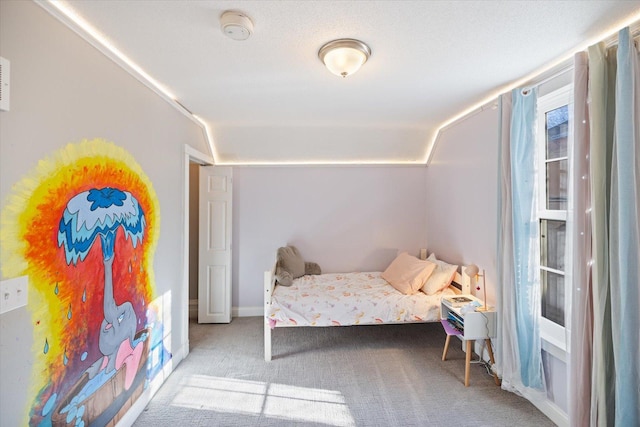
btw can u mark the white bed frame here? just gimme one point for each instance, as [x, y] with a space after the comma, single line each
[270, 283]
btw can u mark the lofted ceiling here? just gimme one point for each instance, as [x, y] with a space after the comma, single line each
[270, 100]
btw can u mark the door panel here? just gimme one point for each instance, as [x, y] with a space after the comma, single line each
[214, 276]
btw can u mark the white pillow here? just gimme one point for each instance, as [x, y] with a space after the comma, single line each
[441, 276]
[407, 273]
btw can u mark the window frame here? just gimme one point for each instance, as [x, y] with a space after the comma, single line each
[550, 331]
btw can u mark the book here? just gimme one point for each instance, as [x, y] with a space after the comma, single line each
[457, 301]
[456, 322]
[454, 316]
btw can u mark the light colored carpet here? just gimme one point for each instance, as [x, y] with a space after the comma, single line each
[385, 375]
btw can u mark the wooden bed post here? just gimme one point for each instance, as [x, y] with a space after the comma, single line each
[464, 280]
[268, 288]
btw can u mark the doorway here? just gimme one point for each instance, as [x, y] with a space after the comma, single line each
[207, 240]
[192, 161]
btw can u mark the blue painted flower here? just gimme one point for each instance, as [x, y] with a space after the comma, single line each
[105, 197]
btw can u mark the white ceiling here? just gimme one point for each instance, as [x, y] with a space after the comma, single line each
[269, 99]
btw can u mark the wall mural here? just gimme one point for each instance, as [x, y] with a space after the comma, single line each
[84, 226]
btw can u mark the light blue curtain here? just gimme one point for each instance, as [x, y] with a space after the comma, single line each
[614, 175]
[519, 363]
[526, 280]
[624, 248]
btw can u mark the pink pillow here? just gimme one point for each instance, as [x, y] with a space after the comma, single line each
[440, 278]
[407, 273]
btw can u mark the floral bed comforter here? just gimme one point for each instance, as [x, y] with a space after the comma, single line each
[349, 299]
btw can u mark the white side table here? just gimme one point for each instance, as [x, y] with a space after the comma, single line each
[471, 326]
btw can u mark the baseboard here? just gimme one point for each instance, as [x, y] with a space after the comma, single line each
[547, 407]
[176, 357]
[152, 388]
[550, 410]
[247, 311]
[235, 311]
[193, 309]
[136, 409]
[180, 353]
[479, 347]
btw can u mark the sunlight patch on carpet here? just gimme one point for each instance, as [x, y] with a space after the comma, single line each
[279, 401]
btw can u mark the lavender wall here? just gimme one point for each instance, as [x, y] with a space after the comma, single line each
[462, 191]
[345, 218]
[350, 218]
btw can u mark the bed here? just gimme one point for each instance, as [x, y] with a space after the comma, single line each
[349, 299]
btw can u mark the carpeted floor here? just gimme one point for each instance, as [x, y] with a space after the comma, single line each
[385, 375]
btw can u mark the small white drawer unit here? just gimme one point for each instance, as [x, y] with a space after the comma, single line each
[469, 325]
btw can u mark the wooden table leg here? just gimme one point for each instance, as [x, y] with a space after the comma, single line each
[467, 363]
[446, 347]
[493, 362]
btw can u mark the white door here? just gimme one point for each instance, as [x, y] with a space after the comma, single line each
[214, 275]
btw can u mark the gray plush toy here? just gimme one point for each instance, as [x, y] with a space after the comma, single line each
[290, 265]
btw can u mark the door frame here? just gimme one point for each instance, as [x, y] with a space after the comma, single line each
[195, 156]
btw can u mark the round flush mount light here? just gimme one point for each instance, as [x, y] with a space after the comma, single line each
[344, 57]
[236, 25]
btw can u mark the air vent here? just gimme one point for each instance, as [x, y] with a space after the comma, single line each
[4, 84]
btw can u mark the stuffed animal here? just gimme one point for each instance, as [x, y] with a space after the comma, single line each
[290, 265]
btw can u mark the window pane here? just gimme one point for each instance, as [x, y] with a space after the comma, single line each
[552, 296]
[557, 185]
[552, 241]
[557, 125]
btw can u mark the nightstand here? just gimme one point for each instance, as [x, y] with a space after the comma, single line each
[470, 326]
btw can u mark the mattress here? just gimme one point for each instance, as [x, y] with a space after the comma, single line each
[349, 299]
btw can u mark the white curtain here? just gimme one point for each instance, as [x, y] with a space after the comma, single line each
[507, 363]
[624, 240]
[605, 341]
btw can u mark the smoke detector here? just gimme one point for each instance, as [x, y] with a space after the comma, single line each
[236, 25]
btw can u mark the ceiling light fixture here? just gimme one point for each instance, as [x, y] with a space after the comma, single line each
[344, 57]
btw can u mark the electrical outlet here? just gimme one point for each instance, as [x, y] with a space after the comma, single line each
[13, 293]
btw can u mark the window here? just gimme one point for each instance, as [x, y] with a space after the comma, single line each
[554, 145]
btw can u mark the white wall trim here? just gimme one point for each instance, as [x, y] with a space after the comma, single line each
[150, 391]
[178, 356]
[193, 309]
[235, 311]
[550, 410]
[247, 311]
[136, 409]
[198, 156]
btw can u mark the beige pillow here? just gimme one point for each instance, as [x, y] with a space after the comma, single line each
[440, 278]
[407, 273]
